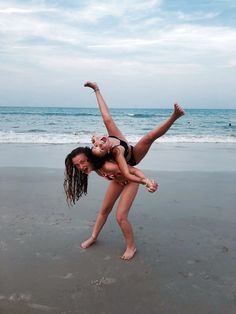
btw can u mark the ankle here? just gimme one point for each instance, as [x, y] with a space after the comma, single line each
[131, 247]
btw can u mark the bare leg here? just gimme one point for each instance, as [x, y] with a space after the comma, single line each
[125, 202]
[112, 193]
[143, 145]
[110, 125]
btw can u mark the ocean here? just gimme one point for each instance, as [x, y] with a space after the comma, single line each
[202, 140]
[54, 125]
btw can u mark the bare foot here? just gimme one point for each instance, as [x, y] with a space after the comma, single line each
[92, 85]
[128, 254]
[178, 111]
[88, 243]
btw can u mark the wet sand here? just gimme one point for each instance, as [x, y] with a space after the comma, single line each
[185, 235]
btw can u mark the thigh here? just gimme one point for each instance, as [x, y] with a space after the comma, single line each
[141, 149]
[127, 197]
[112, 129]
[112, 193]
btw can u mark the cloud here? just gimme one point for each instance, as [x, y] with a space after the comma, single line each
[13, 10]
[94, 11]
[196, 16]
[118, 37]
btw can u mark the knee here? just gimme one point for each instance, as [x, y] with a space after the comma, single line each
[105, 211]
[148, 138]
[121, 218]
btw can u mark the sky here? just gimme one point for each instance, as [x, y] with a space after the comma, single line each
[144, 54]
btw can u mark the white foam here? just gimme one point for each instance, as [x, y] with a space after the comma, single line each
[81, 138]
[32, 138]
[200, 139]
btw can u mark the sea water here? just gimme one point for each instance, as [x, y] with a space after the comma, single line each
[201, 140]
[54, 125]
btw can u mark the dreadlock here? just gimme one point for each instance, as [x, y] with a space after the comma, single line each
[76, 181]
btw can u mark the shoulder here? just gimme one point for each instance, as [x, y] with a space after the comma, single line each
[110, 166]
[118, 151]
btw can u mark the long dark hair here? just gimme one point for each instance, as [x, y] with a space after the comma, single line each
[76, 181]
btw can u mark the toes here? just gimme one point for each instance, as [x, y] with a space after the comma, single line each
[88, 243]
[128, 256]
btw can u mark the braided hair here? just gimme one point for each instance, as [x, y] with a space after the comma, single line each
[76, 181]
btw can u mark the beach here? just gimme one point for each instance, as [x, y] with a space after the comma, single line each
[162, 156]
[146, 82]
[184, 233]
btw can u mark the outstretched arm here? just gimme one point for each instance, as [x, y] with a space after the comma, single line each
[110, 125]
[130, 173]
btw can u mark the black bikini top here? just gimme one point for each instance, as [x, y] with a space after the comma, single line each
[123, 144]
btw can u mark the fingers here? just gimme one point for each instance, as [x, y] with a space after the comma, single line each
[152, 186]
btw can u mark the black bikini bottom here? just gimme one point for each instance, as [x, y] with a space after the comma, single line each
[132, 161]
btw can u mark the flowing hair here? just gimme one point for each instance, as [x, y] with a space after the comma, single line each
[76, 181]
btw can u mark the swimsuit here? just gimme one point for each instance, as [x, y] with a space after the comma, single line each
[123, 144]
[131, 161]
[106, 176]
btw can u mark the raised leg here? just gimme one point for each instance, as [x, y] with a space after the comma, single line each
[143, 145]
[110, 125]
[112, 193]
[125, 202]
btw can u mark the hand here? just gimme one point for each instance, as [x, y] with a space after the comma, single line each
[151, 185]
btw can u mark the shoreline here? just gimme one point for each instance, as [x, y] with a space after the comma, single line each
[161, 157]
[185, 236]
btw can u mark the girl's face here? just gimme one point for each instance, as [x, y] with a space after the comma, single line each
[100, 145]
[82, 163]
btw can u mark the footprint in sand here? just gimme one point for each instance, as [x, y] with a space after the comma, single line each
[20, 297]
[3, 245]
[41, 307]
[67, 276]
[107, 258]
[224, 249]
[103, 281]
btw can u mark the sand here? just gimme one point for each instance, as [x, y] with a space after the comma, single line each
[185, 235]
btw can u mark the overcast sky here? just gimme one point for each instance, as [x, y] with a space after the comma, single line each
[143, 53]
